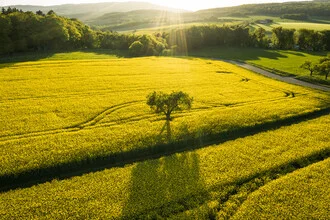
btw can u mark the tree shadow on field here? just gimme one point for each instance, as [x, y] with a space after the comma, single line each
[117, 53]
[296, 53]
[235, 53]
[8, 60]
[165, 186]
[166, 126]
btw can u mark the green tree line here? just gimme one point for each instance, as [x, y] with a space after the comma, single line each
[27, 31]
[302, 39]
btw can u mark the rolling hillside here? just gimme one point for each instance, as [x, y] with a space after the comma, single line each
[312, 12]
[86, 12]
[125, 16]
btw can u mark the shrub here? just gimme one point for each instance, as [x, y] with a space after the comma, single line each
[136, 49]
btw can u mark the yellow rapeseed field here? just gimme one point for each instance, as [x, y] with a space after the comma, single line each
[63, 111]
[213, 181]
[304, 194]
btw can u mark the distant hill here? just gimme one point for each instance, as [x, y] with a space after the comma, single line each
[311, 8]
[128, 16]
[136, 19]
[86, 12]
[120, 21]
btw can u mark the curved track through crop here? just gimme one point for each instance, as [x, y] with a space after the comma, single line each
[231, 200]
[88, 123]
[96, 121]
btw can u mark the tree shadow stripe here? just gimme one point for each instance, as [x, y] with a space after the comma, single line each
[119, 159]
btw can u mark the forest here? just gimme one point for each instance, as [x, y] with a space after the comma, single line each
[28, 31]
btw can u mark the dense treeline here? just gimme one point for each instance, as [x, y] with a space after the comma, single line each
[241, 36]
[27, 31]
[302, 39]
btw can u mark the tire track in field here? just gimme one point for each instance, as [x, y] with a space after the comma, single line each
[237, 104]
[102, 115]
[68, 95]
[155, 117]
[233, 193]
[233, 201]
[73, 168]
[260, 71]
[95, 121]
[89, 123]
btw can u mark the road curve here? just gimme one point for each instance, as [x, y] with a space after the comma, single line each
[286, 79]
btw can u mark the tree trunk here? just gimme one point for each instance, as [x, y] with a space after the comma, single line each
[169, 131]
[168, 116]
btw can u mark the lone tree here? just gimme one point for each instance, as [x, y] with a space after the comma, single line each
[324, 68]
[308, 65]
[167, 103]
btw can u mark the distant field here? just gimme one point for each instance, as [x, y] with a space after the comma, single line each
[301, 25]
[294, 25]
[212, 182]
[167, 28]
[57, 112]
[149, 28]
[52, 56]
[284, 61]
[268, 28]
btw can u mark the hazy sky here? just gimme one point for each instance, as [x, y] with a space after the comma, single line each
[188, 5]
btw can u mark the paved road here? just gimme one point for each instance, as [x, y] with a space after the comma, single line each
[278, 77]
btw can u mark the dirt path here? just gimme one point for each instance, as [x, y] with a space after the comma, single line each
[287, 79]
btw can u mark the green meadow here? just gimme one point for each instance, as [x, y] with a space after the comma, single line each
[77, 139]
[284, 62]
[303, 25]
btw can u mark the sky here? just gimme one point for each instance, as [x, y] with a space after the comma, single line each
[191, 5]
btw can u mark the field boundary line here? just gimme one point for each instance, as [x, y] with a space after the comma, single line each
[96, 120]
[287, 79]
[244, 186]
[70, 169]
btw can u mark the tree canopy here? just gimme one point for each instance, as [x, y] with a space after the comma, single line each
[163, 103]
[308, 65]
[321, 68]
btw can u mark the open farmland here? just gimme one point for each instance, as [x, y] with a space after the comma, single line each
[290, 24]
[206, 183]
[303, 25]
[58, 114]
[309, 185]
[72, 114]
